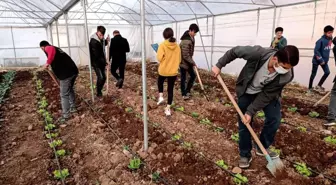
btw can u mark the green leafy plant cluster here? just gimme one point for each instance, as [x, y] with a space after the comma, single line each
[176, 137]
[278, 151]
[330, 140]
[135, 163]
[228, 105]
[303, 169]
[240, 179]
[292, 109]
[56, 143]
[219, 129]
[156, 176]
[128, 109]
[6, 84]
[314, 114]
[302, 129]
[181, 109]
[235, 137]
[60, 153]
[194, 114]
[187, 145]
[206, 121]
[222, 164]
[61, 174]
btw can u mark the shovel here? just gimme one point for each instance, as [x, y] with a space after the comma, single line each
[274, 165]
[323, 98]
[53, 77]
[200, 81]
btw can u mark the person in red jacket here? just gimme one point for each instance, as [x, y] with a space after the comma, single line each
[66, 71]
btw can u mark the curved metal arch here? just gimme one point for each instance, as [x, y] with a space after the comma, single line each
[130, 9]
[163, 10]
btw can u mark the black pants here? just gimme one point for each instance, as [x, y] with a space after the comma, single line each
[171, 82]
[101, 78]
[191, 81]
[326, 70]
[121, 66]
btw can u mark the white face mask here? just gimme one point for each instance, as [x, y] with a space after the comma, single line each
[280, 69]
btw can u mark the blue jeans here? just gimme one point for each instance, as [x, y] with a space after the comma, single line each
[184, 89]
[272, 122]
[326, 70]
[67, 92]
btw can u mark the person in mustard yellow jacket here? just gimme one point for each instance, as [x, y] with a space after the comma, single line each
[169, 57]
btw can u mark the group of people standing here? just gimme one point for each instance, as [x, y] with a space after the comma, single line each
[259, 85]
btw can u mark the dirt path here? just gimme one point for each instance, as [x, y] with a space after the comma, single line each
[25, 155]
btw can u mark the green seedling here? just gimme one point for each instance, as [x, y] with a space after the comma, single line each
[41, 111]
[194, 114]
[56, 143]
[181, 109]
[128, 109]
[235, 137]
[50, 126]
[302, 169]
[278, 151]
[156, 176]
[330, 140]
[156, 125]
[283, 120]
[51, 135]
[219, 129]
[134, 163]
[228, 105]
[205, 121]
[314, 114]
[302, 129]
[261, 114]
[217, 100]
[222, 164]
[43, 104]
[187, 144]
[61, 174]
[60, 153]
[176, 137]
[292, 109]
[126, 147]
[240, 179]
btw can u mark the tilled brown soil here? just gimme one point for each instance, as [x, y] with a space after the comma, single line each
[25, 155]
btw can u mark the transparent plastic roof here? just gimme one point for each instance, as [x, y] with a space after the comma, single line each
[35, 13]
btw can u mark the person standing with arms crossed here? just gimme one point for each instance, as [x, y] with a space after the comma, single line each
[279, 41]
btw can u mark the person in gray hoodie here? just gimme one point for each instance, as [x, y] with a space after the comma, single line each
[259, 87]
[98, 59]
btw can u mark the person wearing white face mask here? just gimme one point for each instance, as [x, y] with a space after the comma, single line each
[259, 87]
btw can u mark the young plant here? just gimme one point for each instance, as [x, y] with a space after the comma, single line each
[181, 109]
[50, 126]
[217, 100]
[302, 129]
[126, 147]
[51, 135]
[61, 174]
[228, 105]
[60, 153]
[176, 137]
[278, 151]
[205, 121]
[222, 164]
[240, 179]
[330, 140]
[187, 144]
[303, 169]
[55, 143]
[292, 109]
[219, 129]
[314, 114]
[194, 114]
[283, 120]
[134, 163]
[156, 176]
[128, 109]
[235, 137]
[261, 114]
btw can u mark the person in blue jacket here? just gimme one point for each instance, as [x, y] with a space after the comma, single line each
[321, 58]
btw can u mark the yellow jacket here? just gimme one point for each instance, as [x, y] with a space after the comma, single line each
[169, 57]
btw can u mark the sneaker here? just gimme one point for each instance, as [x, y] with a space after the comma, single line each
[167, 111]
[186, 97]
[61, 120]
[160, 101]
[310, 92]
[330, 123]
[189, 94]
[319, 89]
[272, 154]
[120, 81]
[73, 110]
[244, 162]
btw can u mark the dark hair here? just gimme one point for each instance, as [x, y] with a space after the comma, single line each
[116, 32]
[194, 27]
[278, 29]
[44, 43]
[288, 55]
[168, 33]
[328, 28]
[101, 29]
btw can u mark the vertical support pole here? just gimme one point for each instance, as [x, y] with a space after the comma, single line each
[87, 41]
[312, 36]
[212, 40]
[258, 20]
[13, 45]
[177, 31]
[274, 18]
[67, 31]
[58, 40]
[51, 35]
[144, 77]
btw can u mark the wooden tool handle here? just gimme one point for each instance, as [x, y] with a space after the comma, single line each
[53, 77]
[199, 78]
[323, 98]
[107, 69]
[242, 117]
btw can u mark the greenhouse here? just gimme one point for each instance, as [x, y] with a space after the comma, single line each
[64, 120]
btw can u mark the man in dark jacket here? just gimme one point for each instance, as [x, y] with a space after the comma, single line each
[118, 49]
[98, 59]
[66, 71]
[332, 104]
[321, 58]
[187, 46]
[259, 87]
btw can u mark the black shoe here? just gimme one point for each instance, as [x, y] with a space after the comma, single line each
[244, 162]
[119, 83]
[99, 95]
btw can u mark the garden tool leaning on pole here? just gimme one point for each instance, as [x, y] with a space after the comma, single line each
[274, 165]
[200, 81]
